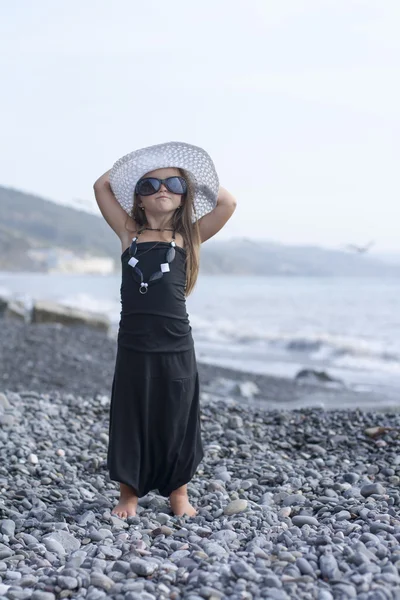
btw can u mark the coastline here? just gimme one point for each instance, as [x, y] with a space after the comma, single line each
[77, 359]
[274, 337]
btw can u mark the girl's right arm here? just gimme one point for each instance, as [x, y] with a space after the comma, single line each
[109, 206]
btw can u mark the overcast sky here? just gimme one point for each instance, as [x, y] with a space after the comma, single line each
[296, 101]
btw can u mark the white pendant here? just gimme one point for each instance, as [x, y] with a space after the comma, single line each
[164, 267]
[133, 261]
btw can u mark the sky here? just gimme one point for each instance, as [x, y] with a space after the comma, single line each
[296, 101]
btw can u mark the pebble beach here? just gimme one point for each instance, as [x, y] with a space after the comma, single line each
[294, 500]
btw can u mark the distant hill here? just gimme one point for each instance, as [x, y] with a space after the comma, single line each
[248, 257]
[30, 222]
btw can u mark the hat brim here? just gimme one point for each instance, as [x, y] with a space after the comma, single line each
[195, 161]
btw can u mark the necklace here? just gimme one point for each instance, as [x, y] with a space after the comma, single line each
[164, 267]
[154, 229]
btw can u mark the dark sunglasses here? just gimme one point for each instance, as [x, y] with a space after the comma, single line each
[150, 185]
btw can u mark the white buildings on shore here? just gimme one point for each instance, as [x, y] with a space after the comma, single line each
[58, 260]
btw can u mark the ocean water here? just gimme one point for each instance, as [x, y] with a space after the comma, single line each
[273, 325]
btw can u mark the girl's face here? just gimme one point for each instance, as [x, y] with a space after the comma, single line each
[163, 201]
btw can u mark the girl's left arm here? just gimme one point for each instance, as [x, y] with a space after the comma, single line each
[212, 222]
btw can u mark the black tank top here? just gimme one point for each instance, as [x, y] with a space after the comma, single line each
[158, 320]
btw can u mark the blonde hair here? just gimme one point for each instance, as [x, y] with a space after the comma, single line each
[182, 223]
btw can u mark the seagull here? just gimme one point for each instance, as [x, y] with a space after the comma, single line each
[360, 249]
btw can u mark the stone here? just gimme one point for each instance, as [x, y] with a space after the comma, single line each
[235, 507]
[4, 403]
[300, 520]
[372, 488]
[45, 311]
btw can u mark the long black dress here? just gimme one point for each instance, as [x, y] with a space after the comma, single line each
[154, 430]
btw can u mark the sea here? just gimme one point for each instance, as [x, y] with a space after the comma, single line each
[347, 327]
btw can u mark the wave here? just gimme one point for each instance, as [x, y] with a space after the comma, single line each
[249, 337]
[317, 347]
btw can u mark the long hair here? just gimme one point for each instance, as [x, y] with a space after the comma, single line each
[182, 223]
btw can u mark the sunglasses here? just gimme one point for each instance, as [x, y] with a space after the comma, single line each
[150, 185]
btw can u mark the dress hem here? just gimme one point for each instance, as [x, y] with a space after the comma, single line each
[165, 492]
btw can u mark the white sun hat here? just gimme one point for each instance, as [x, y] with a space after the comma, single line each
[195, 161]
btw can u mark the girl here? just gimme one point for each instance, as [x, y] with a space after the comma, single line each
[163, 202]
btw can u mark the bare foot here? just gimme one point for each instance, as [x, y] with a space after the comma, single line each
[180, 504]
[127, 504]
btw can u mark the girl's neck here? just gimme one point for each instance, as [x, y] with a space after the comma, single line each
[153, 233]
[158, 223]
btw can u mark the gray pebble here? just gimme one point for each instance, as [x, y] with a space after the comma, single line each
[300, 520]
[227, 535]
[372, 488]
[67, 540]
[7, 527]
[343, 515]
[101, 581]
[329, 566]
[277, 594]
[294, 499]
[351, 477]
[67, 583]
[245, 571]
[110, 552]
[235, 422]
[53, 545]
[41, 595]
[346, 588]
[272, 581]
[304, 566]
[214, 549]
[143, 567]
[236, 506]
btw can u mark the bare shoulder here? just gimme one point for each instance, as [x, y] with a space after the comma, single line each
[179, 240]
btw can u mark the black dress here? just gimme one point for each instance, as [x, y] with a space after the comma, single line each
[154, 431]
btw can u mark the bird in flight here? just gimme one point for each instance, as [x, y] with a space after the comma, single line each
[360, 249]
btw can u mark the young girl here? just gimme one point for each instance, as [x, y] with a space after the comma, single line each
[163, 202]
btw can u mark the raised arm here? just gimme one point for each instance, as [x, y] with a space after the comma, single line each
[212, 222]
[109, 206]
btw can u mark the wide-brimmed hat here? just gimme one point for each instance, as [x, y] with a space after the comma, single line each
[195, 161]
